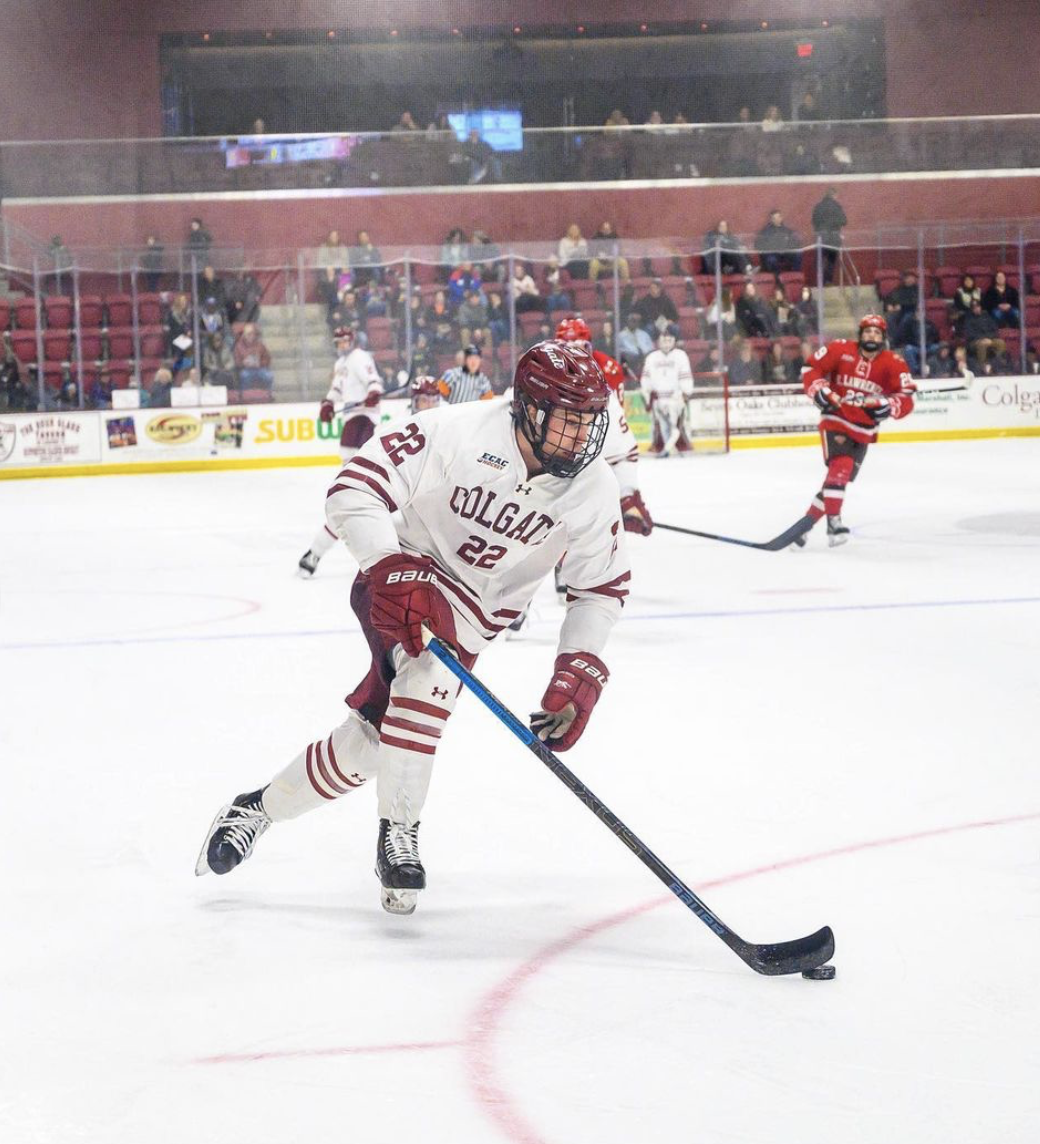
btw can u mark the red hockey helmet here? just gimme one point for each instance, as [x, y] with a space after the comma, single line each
[873, 320]
[425, 393]
[573, 330]
[560, 406]
[343, 334]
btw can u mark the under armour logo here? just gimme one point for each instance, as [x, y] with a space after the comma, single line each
[525, 489]
[440, 693]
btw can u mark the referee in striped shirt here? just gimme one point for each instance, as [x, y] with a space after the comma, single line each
[466, 382]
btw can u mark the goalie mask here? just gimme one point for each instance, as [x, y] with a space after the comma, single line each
[560, 406]
[667, 338]
[875, 324]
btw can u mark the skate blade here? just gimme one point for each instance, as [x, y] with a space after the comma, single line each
[400, 902]
[201, 864]
[303, 574]
[838, 541]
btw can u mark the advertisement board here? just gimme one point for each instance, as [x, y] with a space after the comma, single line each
[44, 439]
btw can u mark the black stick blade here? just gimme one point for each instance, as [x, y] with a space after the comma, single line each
[790, 956]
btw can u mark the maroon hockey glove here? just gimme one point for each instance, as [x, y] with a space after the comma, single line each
[635, 514]
[326, 411]
[372, 399]
[577, 680]
[404, 597]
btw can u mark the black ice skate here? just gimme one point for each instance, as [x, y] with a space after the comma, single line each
[518, 623]
[837, 533]
[398, 867]
[233, 834]
[308, 565]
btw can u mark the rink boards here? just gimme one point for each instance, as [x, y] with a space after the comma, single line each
[100, 442]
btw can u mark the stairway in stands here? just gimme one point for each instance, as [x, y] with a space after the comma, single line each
[299, 342]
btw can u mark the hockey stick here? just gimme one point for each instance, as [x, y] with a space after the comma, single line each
[786, 538]
[772, 959]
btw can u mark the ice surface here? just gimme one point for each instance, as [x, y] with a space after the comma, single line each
[871, 709]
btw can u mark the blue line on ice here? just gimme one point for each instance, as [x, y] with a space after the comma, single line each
[740, 613]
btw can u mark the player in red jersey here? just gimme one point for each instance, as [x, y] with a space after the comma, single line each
[621, 450]
[857, 385]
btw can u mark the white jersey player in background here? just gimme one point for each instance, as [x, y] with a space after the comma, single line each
[355, 393]
[667, 384]
[454, 517]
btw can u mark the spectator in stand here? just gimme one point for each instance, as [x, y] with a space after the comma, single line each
[365, 261]
[754, 317]
[13, 392]
[604, 340]
[178, 330]
[744, 118]
[634, 343]
[199, 240]
[907, 338]
[152, 263]
[472, 317]
[422, 357]
[497, 319]
[601, 247]
[777, 369]
[374, 303]
[444, 336]
[942, 363]
[744, 368]
[487, 257]
[454, 251]
[405, 123]
[99, 395]
[346, 312]
[772, 121]
[904, 297]
[805, 351]
[786, 317]
[574, 252]
[159, 391]
[656, 308]
[242, 295]
[722, 306]
[965, 294]
[417, 313]
[332, 256]
[212, 318]
[544, 333]
[217, 362]
[778, 245]
[210, 286]
[463, 278]
[720, 245]
[808, 315]
[481, 157]
[253, 360]
[556, 296]
[828, 220]
[807, 111]
[1002, 302]
[525, 293]
[982, 334]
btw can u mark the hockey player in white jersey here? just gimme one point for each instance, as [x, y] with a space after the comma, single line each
[454, 518]
[355, 393]
[667, 384]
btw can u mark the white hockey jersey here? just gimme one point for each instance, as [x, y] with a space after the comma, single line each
[667, 374]
[457, 479]
[354, 377]
[621, 450]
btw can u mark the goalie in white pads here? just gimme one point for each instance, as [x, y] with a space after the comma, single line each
[667, 384]
[355, 392]
[454, 518]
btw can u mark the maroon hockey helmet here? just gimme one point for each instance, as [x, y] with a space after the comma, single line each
[560, 406]
[425, 393]
[343, 334]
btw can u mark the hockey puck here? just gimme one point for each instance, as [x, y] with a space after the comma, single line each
[820, 973]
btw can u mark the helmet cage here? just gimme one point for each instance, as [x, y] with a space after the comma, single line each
[567, 457]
